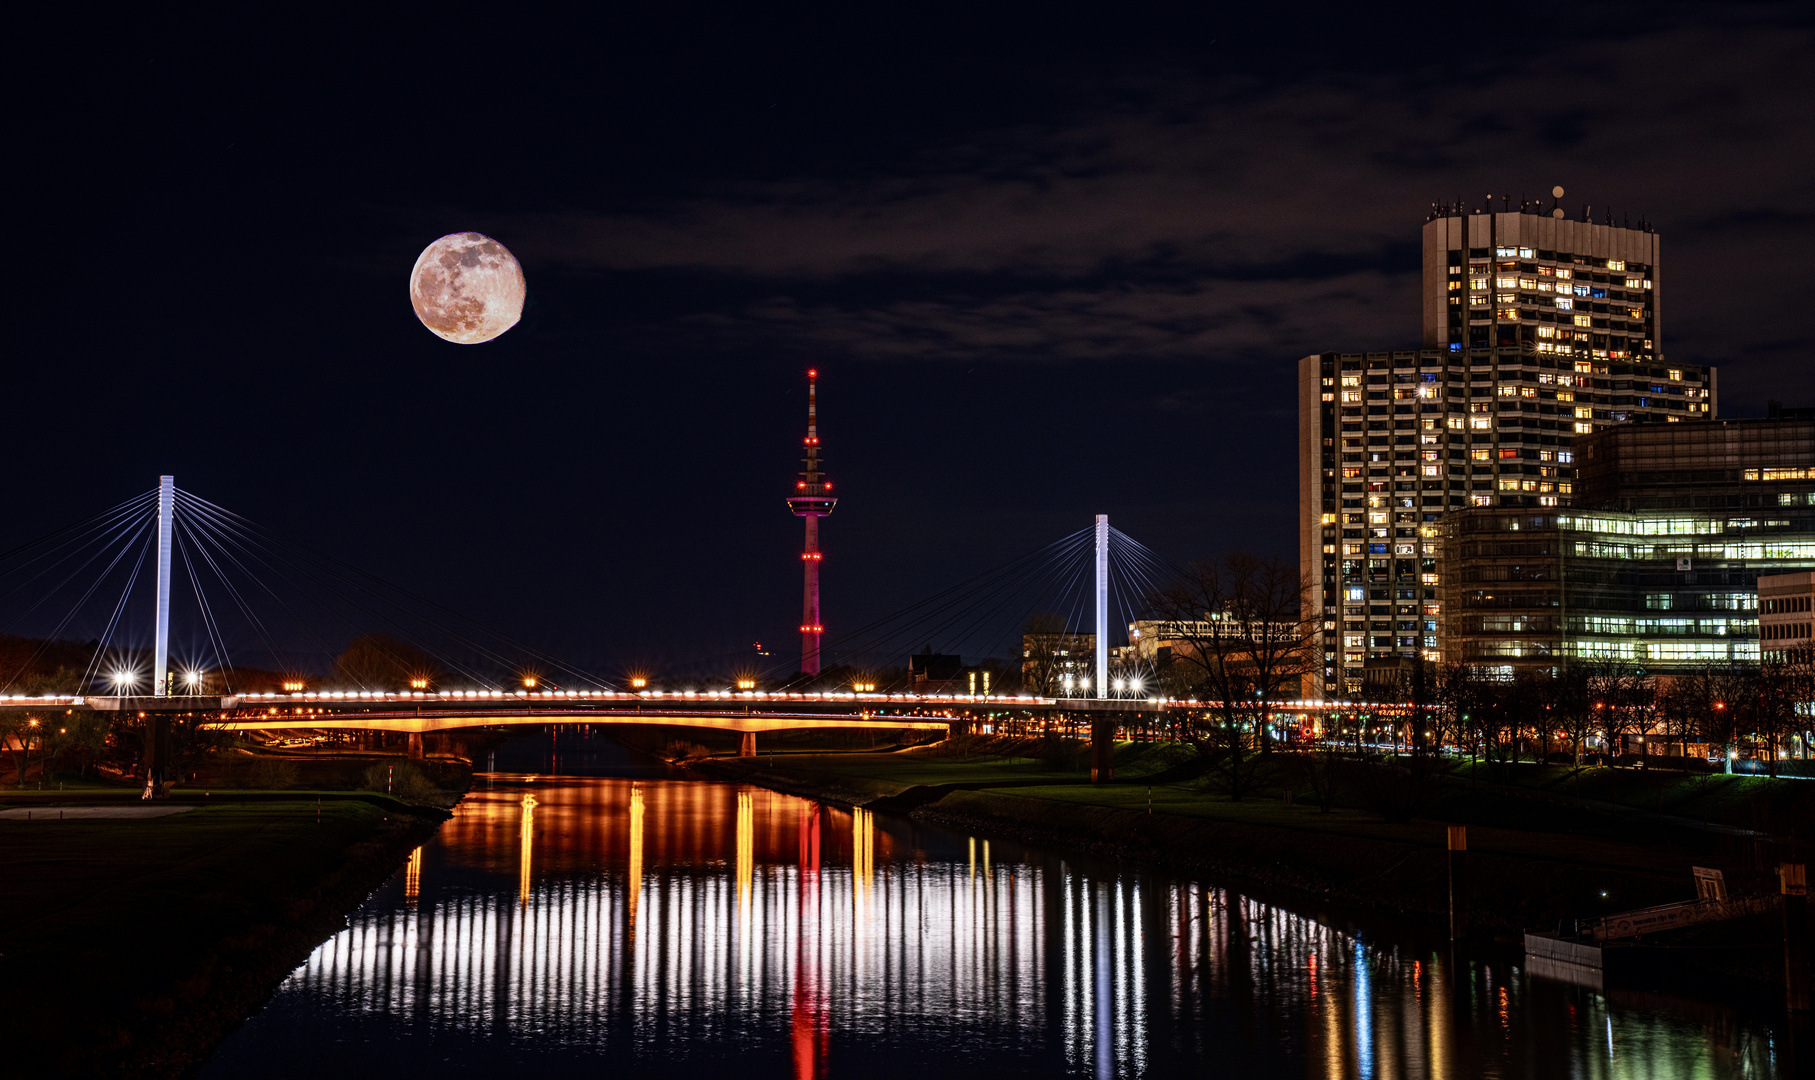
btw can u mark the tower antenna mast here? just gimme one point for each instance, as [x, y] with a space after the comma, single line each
[812, 499]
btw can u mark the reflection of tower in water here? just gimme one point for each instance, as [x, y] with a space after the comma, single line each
[528, 843]
[412, 878]
[811, 1026]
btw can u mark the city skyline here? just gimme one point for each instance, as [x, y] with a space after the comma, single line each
[1096, 269]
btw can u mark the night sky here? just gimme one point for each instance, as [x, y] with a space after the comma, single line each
[1049, 265]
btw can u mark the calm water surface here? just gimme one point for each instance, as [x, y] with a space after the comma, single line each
[565, 926]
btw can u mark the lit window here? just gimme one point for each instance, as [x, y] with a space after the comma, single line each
[1566, 456]
[1477, 284]
[1480, 455]
[1506, 252]
[1547, 500]
[1547, 455]
[1528, 391]
[1507, 312]
[1351, 395]
[1506, 283]
[1565, 487]
[1583, 320]
[1481, 500]
[1566, 380]
[1615, 264]
[1432, 470]
[1509, 452]
[1351, 471]
[1564, 304]
[1455, 422]
[1528, 283]
[1480, 423]
[1581, 290]
[1455, 286]
[1566, 395]
[1329, 396]
[1563, 272]
[1508, 390]
[1676, 373]
[1633, 283]
[1509, 485]
[1583, 412]
[1428, 455]
[1351, 380]
[1583, 429]
[1547, 332]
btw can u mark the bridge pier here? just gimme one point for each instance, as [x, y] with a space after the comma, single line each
[415, 746]
[1102, 747]
[746, 747]
[157, 756]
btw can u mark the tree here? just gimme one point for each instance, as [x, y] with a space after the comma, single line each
[19, 733]
[1572, 700]
[1714, 703]
[1243, 639]
[381, 662]
[1049, 650]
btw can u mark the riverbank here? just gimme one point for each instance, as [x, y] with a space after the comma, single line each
[1535, 857]
[129, 947]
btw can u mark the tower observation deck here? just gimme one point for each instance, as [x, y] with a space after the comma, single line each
[811, 499]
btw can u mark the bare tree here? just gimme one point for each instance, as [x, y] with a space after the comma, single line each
[381, 662]
[1244, 641]
[1048, 651]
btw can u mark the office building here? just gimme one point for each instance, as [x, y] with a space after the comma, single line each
[1786, 618]
[1659, 565]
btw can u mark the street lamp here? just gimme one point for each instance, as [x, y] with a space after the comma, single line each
[123, 679]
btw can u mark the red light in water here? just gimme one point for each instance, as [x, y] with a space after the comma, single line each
[828, 485]
[812, 373]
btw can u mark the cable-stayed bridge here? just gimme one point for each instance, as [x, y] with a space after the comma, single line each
[246, 588]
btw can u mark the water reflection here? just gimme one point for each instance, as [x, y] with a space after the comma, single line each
[662, 926]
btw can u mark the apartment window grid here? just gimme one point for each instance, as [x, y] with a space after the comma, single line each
[1562, 304]
[1408, 436]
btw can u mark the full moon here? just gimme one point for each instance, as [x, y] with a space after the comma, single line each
[467, 288]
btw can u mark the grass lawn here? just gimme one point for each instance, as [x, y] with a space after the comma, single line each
[127, 943]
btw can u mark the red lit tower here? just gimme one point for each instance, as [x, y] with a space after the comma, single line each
[812, 499]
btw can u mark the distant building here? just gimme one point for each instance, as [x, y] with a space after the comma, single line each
[1057, 664]
[936, 673]
[1662, 571]
[1786, 618]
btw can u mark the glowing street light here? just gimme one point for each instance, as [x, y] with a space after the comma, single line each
[123, 679]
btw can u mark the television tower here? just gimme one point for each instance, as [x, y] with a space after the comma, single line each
[812, 499]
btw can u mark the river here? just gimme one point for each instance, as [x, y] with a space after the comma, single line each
[563, 926]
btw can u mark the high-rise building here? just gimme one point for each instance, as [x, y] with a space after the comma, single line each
[1494, 279]
[1485, 415]
[811, 499]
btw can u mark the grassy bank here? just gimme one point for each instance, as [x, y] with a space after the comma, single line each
[1545, 844]
[131, 947]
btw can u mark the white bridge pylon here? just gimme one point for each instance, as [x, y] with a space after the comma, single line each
[160, 663]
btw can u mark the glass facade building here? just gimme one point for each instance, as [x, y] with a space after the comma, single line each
[1659, 564]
